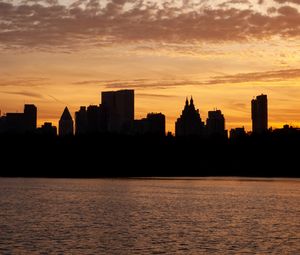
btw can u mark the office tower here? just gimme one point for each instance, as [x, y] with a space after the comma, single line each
[119, 107]
[2, 124]
[93, 119]
[65, 123]
[156, 124]
[48, 129]
[30, 116]
[153, 124]
[259, 114]
[21, 122]
[81, 121]
[236, 133]
[189, 123]
[215, 123]
[14, 123]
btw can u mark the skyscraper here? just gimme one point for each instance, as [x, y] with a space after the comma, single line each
[215, 123]
[81, 121]
[93, 119]
[153, 124]
[189, 123]
[21, 122]
[259, 114]
[65, 123]
[119, 106]
[30, 115]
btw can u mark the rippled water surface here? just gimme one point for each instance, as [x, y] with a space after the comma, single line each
[129, 216]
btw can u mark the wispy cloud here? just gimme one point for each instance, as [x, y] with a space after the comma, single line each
[56, 99]
[266, 77]
[85, 23]
[155, 95]
[24, 93]
[24, 82]
[269, 76]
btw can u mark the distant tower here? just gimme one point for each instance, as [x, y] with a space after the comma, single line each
[65, 123]
[119, 106]
[189, 123]
[259, 114]
[30, 116]
[81, 121]
[215, 123]
[156, 124]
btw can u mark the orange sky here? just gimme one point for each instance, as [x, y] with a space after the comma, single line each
[64, 53]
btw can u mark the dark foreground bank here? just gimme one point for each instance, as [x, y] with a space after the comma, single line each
[125, 156]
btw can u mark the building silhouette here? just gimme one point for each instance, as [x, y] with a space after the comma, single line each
[153, 124]
[119, 109]
[189, 123]
[215, 123]
[47, 129]
[30, 117]
[259, 114]
[81, 121]
[20, 123]
[2, 124]
[156, 123]
[93, 115]
[65, 123]
[236, 133]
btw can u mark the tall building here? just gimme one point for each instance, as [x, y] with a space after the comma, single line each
[81, 121]
[21, 122]
[14, 123]
[154, 124]
[259, 114]
[65, 123]
[189, 123]
[215, 123]
[48, 129]
[236, 133]
[2, 124]
[119, 107]
[93, 119]
[30, 116]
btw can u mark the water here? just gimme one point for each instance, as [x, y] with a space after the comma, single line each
[224, 216]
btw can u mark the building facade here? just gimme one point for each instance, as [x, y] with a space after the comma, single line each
[119, 109]
[65, 123]
[21, 123]
[215, 123]
[189, 123]
[259, 114]
[153, 124]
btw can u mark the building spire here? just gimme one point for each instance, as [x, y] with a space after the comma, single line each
[192, 101]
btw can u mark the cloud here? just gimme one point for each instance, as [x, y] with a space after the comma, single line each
[144, 84]
[87, 23]
[269, 76]
[24, 93]
[287, 1]
[155, 95]
[56, 99]
[23, 82]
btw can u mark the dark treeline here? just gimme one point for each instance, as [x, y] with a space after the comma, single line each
[268, 155]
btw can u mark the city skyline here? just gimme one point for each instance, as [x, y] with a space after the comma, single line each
[58, 53]
[115, 114]
[56, 122]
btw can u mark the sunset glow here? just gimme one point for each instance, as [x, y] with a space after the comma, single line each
[223, 53]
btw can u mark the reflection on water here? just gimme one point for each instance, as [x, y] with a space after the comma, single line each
[60, 216]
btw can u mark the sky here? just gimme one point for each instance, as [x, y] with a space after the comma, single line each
[57, 53]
